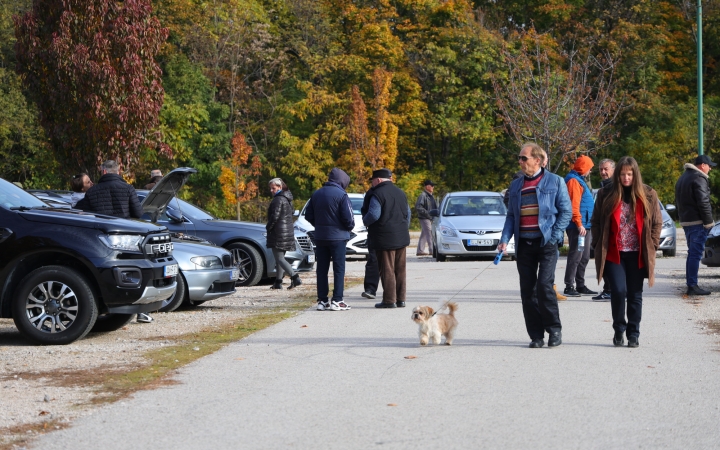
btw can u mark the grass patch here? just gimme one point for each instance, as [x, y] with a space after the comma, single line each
[21, 435]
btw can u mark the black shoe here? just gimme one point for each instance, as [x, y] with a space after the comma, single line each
[603, 297]
[368, 294]
[400, 304]
[277, 284]
[555, 339]
[385, 305]
[696, 290]
[585, 291]
[633, 341]
[570, 292]
[618, 340]
[295, 281]
[536, 343]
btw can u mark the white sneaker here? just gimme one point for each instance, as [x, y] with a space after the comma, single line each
[338, 306]
[144, 318]
[323, 305]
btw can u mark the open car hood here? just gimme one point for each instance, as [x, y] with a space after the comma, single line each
[159, 197]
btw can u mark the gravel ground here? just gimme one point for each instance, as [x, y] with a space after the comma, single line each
[28, 395]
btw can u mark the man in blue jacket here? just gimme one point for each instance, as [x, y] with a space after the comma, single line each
[330, 212]
[539, 211]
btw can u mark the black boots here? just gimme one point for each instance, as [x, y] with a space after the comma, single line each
[277, 284]
[295, 281]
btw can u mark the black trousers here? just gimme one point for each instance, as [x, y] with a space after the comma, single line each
[372, 273]
[536, 267]
[626, 286]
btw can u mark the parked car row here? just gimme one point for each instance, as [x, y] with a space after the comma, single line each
[66, 272]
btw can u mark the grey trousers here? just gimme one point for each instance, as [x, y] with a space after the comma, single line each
[577, 261]
[281, 264]
[425, 237]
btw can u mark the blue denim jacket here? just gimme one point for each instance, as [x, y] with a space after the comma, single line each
[555, 209]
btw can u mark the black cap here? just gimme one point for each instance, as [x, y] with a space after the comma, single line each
[428, 183]
[704, 159]
[382, 173]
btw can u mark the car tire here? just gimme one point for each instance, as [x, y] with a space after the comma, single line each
[54, 305]
[178, 297]
[439, 257]
[669, 253]
[111, 322]
[250, 263]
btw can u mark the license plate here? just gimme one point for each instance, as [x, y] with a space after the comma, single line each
[170, 271]
[480, 242]
[311, 258]
[235, 274]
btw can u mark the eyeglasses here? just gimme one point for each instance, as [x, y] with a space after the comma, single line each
[523, 158]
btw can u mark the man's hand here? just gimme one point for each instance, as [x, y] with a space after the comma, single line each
[582, 230]
[502, 247]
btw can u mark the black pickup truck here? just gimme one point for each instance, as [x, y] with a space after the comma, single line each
[64, 272]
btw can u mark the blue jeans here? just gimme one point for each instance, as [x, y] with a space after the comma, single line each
[330, 251]
[696, 236]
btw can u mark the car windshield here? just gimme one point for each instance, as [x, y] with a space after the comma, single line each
[475, 205]
[13, 197]
[354, 201]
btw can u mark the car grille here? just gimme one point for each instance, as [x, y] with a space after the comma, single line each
[228, 261]
[361, 244]
[305, 243]
[222, 287]
[481, 248]
[158, 245]
[480, 232]
[311, 235]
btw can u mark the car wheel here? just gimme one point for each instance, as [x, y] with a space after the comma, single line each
[178, 297]
[439, 256]
[249, 262]
[54, 305]
[669, 253]
[111, 322]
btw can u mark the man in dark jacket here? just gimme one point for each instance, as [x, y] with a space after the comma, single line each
[606, 169]
[155, 177]
[423, 205]
[386, 213]
[330, 212]
[692, 195]
[111, 195]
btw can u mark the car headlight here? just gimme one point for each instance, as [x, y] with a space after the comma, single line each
[299, 228]
[127, 242]
[668, 224]
[447, 231]
[206, 262]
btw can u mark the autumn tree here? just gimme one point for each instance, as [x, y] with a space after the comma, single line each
[563, 100]
[90, 67]
[237, 177]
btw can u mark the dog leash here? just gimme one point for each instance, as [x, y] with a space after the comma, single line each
[463, 288]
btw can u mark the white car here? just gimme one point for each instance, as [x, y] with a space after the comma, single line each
[469, 224]
[357, 245]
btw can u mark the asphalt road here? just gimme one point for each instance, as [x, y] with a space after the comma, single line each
[342, 380]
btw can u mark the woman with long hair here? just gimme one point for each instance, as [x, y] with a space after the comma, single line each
[626, 224]
[80, 183]
[280, 232]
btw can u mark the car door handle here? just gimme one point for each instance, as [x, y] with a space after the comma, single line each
[5, 233]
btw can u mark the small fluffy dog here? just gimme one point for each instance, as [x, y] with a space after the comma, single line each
[433, 326]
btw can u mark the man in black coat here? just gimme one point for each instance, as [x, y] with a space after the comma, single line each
[386, 213]
[692, 196]
[111, 195]
[330, 212]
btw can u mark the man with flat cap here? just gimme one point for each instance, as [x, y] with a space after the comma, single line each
[386, 214]
[423, 205]
[692, 196]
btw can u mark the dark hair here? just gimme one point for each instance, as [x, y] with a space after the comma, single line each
[77, 184]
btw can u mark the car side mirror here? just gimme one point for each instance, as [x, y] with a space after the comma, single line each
[669, 207]
[174, 216]
[296, 213]
[434, 213]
